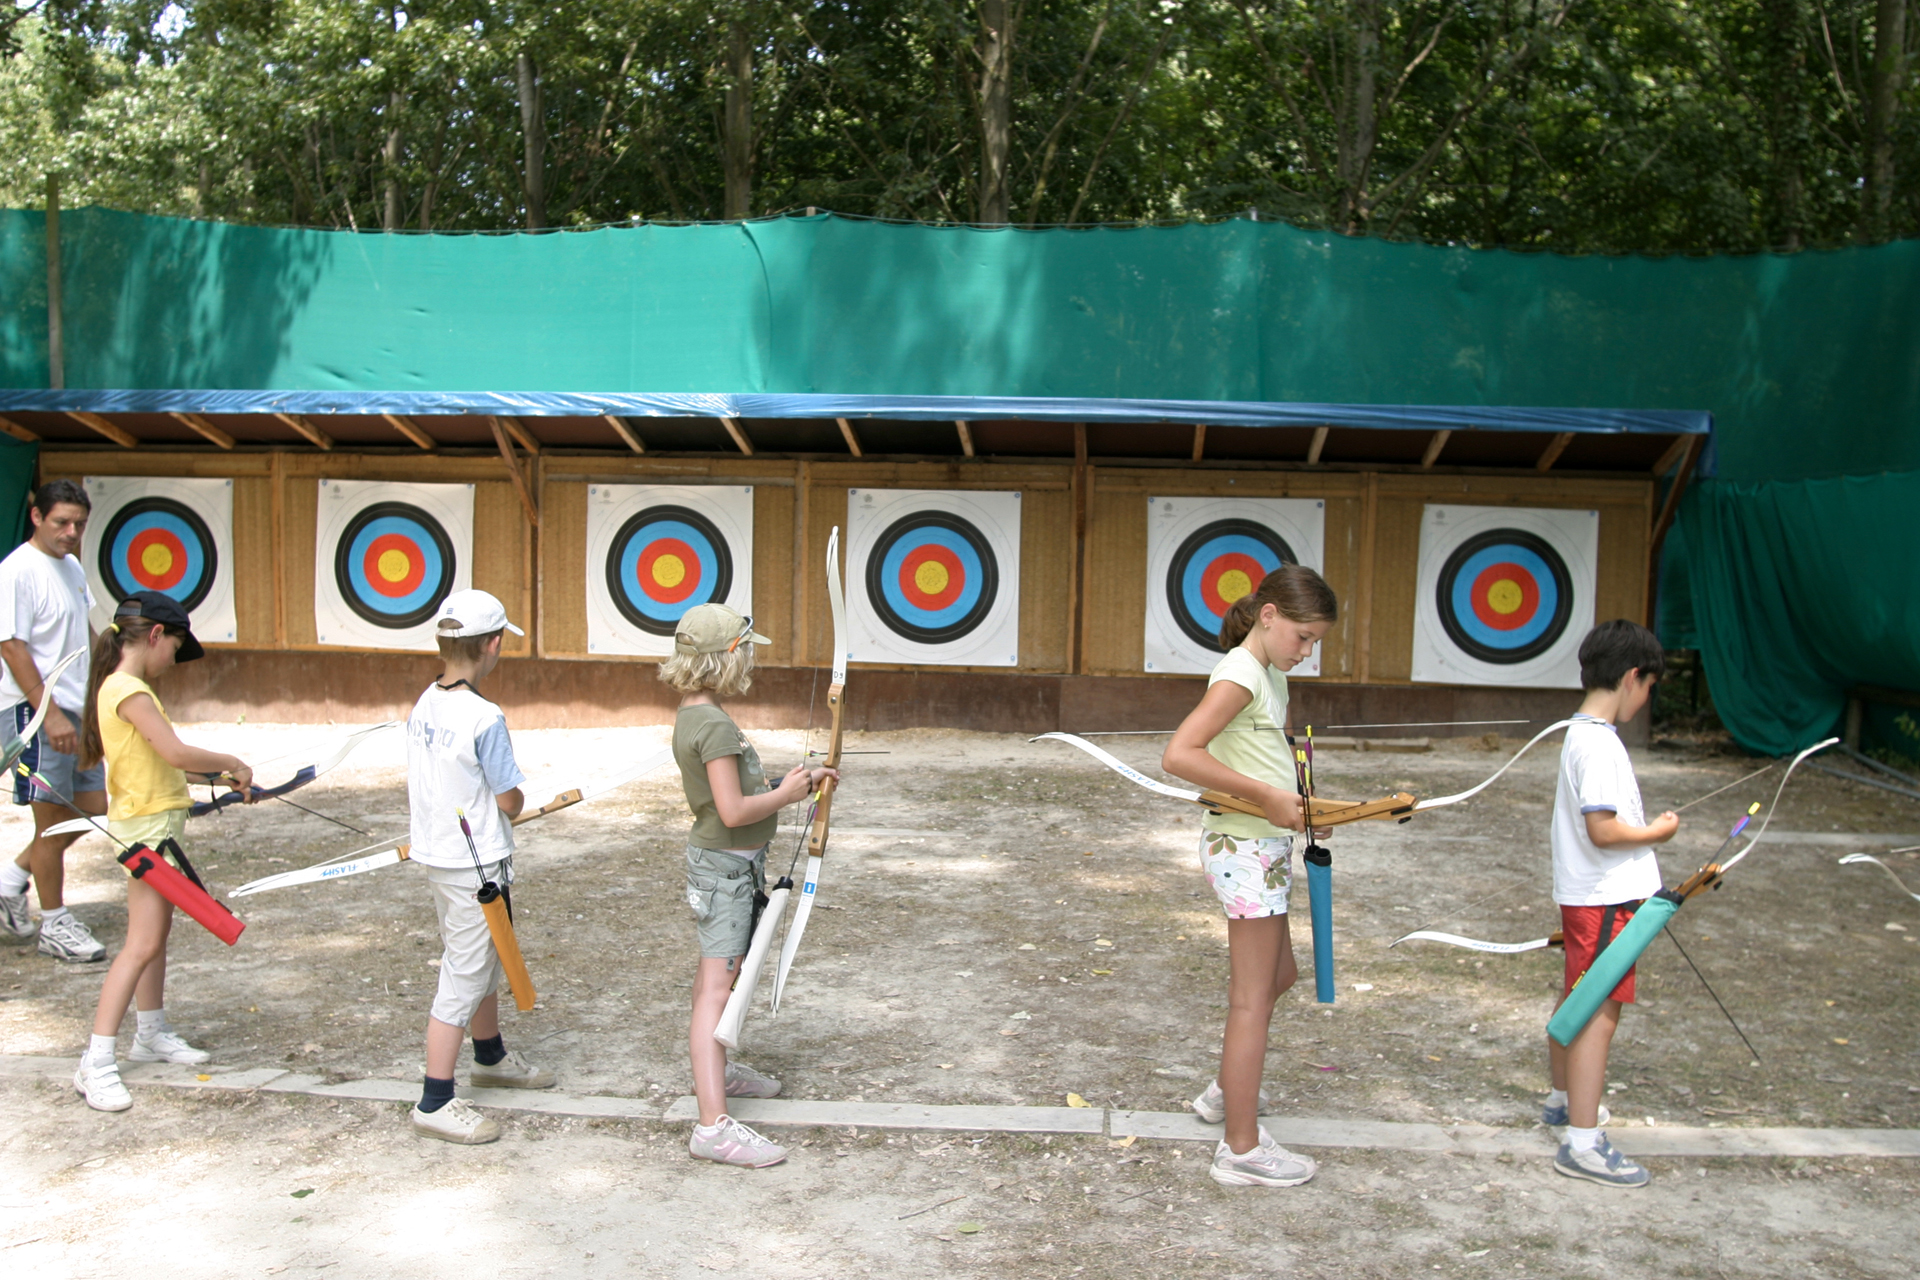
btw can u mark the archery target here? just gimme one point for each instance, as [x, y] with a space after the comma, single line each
[386, 555]
[656, 551]
[153, 533]
[933, 577]
[1205, 553]
[1506, 594]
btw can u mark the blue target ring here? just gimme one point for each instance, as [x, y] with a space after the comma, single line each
[1504, 596]
[663, 562]
[393, 565]
[932, 577]
[1216, 565]
[158, 544]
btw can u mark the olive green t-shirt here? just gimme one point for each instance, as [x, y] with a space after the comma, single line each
[703, 733]
[1253, 743]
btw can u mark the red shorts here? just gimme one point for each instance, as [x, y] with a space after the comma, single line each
[1580, 926]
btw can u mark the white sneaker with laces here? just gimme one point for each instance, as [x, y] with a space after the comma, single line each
[99, 1083]
[167, 1046]
[68, 939]
[1268, 1165]
[1211, 1106]
[15, 922]
[459, 1121]
[744, 1082]
[511, 1072]
[730, 1142]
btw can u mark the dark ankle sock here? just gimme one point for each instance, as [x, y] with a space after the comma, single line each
[488, 1052]
[435, 1094]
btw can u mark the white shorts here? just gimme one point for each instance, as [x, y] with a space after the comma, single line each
[469, 966]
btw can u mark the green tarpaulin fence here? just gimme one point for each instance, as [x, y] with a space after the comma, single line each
[17, 458]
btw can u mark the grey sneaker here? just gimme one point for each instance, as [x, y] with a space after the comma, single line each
[15, 923]
[730, 1142]
[166, 1046]
[1211, 1106]
[744, 1082]
[1604, 1165]
[68, 939]
[511, 1072]
[459, 1121]
[1556, 1117]
[99, 1083]
[1267, 1165]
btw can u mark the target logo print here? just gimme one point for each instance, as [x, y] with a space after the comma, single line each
[394, 565]
[1504, 596]
[932, 577]
[159, 544]
[1215, 566]
[664, 561]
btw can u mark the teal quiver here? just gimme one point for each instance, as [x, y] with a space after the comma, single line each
[1598, 982]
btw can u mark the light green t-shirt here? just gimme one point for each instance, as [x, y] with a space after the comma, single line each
[1242, 748]
[702, 733]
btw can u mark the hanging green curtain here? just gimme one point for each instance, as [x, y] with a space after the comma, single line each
[1799, 591]
[17, 461]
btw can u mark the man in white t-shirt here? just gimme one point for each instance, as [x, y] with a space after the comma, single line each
[43, 618]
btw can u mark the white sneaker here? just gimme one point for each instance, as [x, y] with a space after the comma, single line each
[459, 1121]
[744, 1082]
[1267, 1165]
[511, 1072]
[730, 1142]
[166, 1046]
[99, 1084]
[68, 939]
[15, 923]
[1211, 1106]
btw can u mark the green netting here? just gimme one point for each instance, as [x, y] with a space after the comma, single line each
[17, 458]
[1781, 349]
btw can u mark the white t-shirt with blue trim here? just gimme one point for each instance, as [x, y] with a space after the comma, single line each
[1597, 777]
[459, 757]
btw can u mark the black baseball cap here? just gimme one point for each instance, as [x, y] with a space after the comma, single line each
[158, 606]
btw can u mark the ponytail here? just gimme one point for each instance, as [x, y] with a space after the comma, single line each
[107, 647]
[1300, 594]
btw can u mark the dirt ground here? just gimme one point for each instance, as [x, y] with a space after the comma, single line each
[974, 879]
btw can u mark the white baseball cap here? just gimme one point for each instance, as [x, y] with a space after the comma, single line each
[472, 613]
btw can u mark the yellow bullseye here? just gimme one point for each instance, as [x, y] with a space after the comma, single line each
[930, 577]
[669, 571]
[156, 560]
[393, 565]
[1505, 596]
[1234, 583]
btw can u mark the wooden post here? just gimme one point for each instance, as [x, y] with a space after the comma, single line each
[1363, 593]
[1435, 444]
[1672, 455]
[1199, 440]
[624, 429]
[966, 438]
[513, 469]
[277, 478]
[1553, 451]
[739, 434]
[1664, 522]
[56, 336]
[1319, 443]
[200, 426]
[846, 428]
[1077, 571]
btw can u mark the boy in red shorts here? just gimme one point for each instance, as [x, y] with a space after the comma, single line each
[1603, 868]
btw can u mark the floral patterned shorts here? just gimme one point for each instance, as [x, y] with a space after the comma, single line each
[1250, 874]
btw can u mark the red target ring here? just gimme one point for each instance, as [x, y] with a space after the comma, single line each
[1227, 578]
[1505, 596]
[157, 558]
[668, 571]
[932, 577]
[394, 565]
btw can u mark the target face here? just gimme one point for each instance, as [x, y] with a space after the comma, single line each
[662, 562]
[394, 564]
[1215, 566]
[1504, 596]
[932, 577]
[159, 544]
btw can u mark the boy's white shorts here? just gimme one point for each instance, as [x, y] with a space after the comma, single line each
[469, 966]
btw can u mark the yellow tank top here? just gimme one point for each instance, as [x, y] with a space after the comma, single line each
[1252, 743]
[139, 782]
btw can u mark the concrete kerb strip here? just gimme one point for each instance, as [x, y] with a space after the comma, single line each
[1661, 1141]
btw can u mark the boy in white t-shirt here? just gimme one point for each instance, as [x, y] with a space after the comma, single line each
[1603, 868]
[460, 758]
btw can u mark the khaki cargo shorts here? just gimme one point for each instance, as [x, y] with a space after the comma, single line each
[721, 889]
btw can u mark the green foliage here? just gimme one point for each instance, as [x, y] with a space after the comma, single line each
[1583, 125]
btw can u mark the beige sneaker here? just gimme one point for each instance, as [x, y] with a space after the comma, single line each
[511, 1072]
[1211, 1106]
[459, 1121]
[744, 1082]
[730, 1142]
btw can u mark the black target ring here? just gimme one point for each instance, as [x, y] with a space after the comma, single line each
[1187, 596]
[421, 536]
[161, 513]
[1540, 561]
[938, 529]
[714, 561]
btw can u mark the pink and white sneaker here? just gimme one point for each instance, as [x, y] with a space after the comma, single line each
[727, 1141]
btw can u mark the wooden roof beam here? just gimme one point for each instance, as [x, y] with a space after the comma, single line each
[119, 435]
[201, 427]
[314, 435]
[1672, 455]
[966, 437]
[739, 434]
[1435, 444]
[9, 427]
[1199, 440]
[521, 435]
[853, 440]
[624, 429]
[1318, 446]
[411, 430]
[1554, 449]
[500, 429]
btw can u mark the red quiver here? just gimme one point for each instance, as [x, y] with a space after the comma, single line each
[181, 886]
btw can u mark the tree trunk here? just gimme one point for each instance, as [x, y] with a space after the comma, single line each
[1359, 132]
[996, 109]
[1789, 121]
[204, 189]
[390, 161]
[533, 126]
[1885, 78]
[736, 125]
